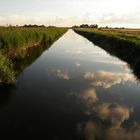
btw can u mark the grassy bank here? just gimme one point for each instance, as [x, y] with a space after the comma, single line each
[113, 37]
[17, 44]
[122, 44]
[13, 40]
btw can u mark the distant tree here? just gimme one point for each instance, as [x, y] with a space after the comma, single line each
[51, 26]
[94, 26]
[42, 26]
[33, 25]
[75, 26]
[84, 26]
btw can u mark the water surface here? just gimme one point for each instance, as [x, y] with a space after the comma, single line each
[73, 91]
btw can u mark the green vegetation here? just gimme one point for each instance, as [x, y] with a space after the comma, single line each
[20, 39]
[112, 37]
[124, 44]
[7, 75]
[86, 26]
[18, 43]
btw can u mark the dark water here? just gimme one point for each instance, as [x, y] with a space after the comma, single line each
[73, 91]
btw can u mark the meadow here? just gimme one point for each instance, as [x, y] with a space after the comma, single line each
[16, 43]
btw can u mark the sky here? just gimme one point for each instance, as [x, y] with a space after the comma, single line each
[112, 13]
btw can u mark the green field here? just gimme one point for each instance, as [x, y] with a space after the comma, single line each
[16, 43]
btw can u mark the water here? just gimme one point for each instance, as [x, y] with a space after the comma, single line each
[73, 91]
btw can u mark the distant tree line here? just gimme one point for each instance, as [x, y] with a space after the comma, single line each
[96, 26]
[107, 27]
[33, 25]
[26, 25]
[86, 26]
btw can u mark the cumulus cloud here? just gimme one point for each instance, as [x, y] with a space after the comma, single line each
[77, 64]
[113, 62]
[111, 128]
[22, 19]
[74, 51]
[63, 74]
[110, 12]
[124, 19]
[89, 96]
[114, 133]
[110, 119]
[92, 131]
[107, 79]
[115, 114]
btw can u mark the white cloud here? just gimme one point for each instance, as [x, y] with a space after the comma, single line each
[92, 131]
[107, 79]
[116, 114]
[63, 74]
[77, 64]
[113, 19]
[67, 13]
[89, 96]
[113, 116]
[75, 51]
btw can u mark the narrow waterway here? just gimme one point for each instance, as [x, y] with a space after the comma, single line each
[73, 91]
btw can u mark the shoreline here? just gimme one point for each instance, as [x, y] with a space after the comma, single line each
[126, 50]
[15, 59]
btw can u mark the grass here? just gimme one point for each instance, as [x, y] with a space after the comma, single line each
[16, 43]
[124, 44]
[20, 39]
[7, 75]
[113, 36]
[122, 31]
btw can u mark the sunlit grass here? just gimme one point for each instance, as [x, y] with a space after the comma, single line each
[13, 37]
[114, 36]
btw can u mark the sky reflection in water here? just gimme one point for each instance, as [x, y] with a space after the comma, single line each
[75, 90]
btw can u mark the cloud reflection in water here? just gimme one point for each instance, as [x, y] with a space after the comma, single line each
[110, 122]
[63, 74]
[89, 96]
[93, 131]
[107, 79]
[115, 114]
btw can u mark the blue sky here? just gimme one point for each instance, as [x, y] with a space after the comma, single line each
[68, 12]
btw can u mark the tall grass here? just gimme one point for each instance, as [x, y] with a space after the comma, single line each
[16, 43]
[13, 37]
[7, 75]
[111, 37]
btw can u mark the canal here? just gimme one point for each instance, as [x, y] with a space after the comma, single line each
[73, 91]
